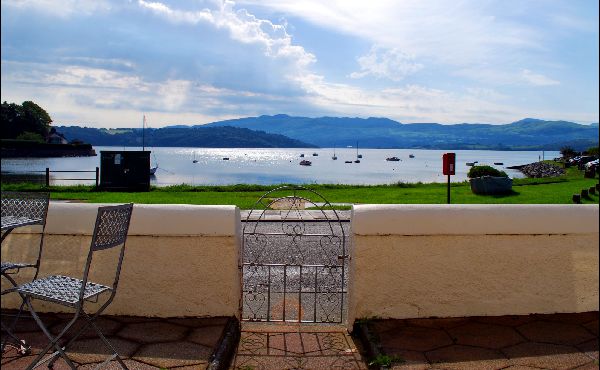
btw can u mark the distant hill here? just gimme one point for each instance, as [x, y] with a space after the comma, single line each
[206, 137]
[526, 134]
[283, 131]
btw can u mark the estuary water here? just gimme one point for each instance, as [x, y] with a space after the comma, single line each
[276, 166]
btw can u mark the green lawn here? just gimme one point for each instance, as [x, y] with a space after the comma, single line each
[525, 191]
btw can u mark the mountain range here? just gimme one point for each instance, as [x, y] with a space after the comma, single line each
[287, 131]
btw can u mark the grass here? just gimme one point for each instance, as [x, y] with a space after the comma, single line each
[525, 191]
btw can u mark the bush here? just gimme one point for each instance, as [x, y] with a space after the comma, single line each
[479, 171]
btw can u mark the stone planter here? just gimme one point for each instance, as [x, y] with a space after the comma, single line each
[487, 185]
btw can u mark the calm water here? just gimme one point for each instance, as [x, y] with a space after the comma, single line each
[275, 166]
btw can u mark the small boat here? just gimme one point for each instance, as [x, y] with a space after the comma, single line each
[315, 154]
[357, 161]
[302, 155]
[194, 160]
[357, 155]
[347, 161]
[305, 163]
[411, 156]
[225, 158]
[153, 170]
[470, 164]
[499, 163]
[334, 156]
[393, 159]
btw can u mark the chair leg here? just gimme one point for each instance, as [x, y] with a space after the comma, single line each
[19, 344]
[53, 340]
[90, 322]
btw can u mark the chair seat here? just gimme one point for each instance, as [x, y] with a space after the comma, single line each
[61, 289]
[7, 266]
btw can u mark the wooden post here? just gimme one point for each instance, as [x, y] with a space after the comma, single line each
[47, 176]
[97, 175]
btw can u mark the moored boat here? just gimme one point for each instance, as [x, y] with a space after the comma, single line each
[393, 159]
[305, 163]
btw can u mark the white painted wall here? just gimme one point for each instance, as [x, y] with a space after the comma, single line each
[464, 260]
[180, 260]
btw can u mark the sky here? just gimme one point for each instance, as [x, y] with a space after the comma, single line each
[103, 63]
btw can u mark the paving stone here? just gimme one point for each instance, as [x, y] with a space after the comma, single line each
[592, 326]
[415, 339]
[107, 327]
[445, 323]
[153, 332]
[570, 318]
[554, 332]
[508, 320]
[465, 357]
[590, 348]
[194, 322]
[381, 326]
[412, 360]
[174, 354]
[114, 365]
[207, 335]
[544, 355]
[485, 335]
[86, 351]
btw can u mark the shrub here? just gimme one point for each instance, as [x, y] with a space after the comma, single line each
[478, 171]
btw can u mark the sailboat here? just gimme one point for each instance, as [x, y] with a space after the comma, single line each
[194, 160]
[357, 155]
[334, 156]
[152, 169]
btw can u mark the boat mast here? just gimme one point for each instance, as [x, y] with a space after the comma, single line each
[143, 135]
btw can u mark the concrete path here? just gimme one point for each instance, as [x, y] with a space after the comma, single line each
[143, 343]
[559, 341]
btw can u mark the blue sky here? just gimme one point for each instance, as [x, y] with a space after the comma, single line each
[102, 63]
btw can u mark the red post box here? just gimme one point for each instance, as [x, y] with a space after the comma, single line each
[449, 160]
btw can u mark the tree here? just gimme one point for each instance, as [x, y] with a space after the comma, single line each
[27, 117]
[567, 152]
[592, 151]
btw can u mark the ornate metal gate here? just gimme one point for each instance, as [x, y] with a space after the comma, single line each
[293, 259]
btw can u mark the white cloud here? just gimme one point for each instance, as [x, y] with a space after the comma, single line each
[537, 79]
[386, 63]
[243, 27]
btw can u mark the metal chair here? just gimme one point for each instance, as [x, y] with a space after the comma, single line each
[21, 209]
[110, 230]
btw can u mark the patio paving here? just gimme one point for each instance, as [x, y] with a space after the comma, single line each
[558, 341]
[143, 343]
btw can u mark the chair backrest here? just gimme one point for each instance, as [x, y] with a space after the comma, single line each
[112, 226]
[26, 204]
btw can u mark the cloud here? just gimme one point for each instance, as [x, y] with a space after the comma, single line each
[242, 26]
[537, 79]
[392, 64]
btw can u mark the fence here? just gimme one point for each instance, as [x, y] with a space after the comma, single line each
[27, 176]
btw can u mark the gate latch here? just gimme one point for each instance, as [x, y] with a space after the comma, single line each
[343, 257]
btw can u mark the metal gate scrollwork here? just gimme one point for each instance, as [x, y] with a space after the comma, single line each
[293, 266]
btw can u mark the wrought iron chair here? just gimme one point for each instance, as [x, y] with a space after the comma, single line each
[110, 230]
[21, 209]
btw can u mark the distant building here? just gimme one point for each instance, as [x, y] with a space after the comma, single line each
[54, 137]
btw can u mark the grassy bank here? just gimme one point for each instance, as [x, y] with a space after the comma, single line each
[525, 191]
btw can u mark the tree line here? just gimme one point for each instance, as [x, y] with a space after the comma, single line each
[27, 121]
